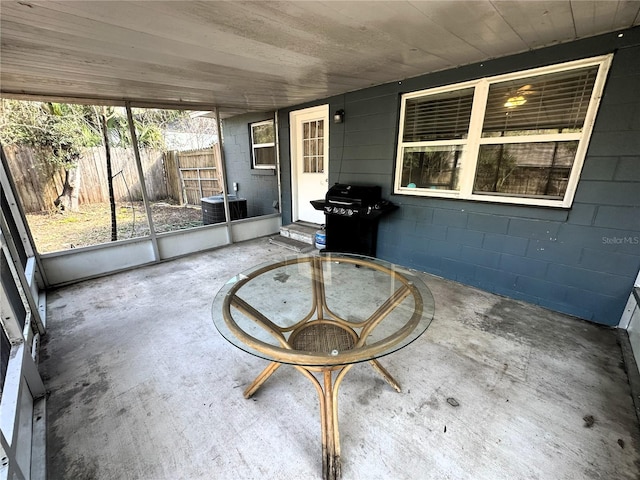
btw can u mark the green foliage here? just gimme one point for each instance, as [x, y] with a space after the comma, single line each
[151, 123]
[58, 131]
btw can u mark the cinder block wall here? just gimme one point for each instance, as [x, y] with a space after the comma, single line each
[258, 186]
[581, 261]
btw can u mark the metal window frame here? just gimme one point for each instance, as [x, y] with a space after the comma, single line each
[22, 381]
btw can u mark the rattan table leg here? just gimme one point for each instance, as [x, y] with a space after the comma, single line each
[331, 435]
[386, 375]
[332, 466]
[328, 396]
[260, 379]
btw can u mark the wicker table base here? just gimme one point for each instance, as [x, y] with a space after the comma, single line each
[324, 337]
[323, 345]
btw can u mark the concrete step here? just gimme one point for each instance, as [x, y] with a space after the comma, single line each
[301, 231]
[291, 244]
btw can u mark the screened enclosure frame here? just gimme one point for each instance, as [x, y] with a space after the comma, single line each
[68, 266]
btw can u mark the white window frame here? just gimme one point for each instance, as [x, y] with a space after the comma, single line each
[471, 144]
[255, 146]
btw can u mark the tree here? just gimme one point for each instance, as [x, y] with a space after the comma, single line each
[58, 132]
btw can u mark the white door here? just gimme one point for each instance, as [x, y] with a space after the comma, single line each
[309, 161]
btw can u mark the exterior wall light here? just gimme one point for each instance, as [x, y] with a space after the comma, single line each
[338, 117]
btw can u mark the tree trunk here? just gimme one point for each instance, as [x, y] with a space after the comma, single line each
[68, 199]
[112, 200]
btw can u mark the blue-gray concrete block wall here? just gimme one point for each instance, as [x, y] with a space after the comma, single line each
[258, 186]
[581, 261]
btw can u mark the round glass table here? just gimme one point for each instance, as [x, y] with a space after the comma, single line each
[322, 314]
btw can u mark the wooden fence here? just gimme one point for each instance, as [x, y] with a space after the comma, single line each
[194, 174]
[126, 185]
[39, 184]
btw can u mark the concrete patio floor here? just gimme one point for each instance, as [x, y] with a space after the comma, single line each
[143, 387]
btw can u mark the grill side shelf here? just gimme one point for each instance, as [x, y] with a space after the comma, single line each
[318, 204]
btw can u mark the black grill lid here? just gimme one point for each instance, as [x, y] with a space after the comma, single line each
[356, 194]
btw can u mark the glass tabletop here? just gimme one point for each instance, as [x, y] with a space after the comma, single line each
[323, 309]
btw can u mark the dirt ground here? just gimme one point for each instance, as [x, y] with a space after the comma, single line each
[54, 231]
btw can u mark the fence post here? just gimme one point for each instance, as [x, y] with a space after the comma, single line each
[183, 187]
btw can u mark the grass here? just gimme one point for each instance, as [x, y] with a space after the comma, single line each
[91, 225]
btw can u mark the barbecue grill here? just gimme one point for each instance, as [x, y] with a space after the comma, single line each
[352, 213]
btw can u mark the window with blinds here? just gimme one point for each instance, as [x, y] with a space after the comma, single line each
[516, 138]
[435, 129]
[443, 116]
[552, 103]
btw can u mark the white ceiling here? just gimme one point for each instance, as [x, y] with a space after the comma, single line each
[257, 56]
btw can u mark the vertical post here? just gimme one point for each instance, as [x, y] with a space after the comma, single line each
[112, 200]
[183, 189]
[223, 174]
[143, 187]
[200, 182]
[277, 134]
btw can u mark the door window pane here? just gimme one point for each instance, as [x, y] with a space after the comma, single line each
[313, 146]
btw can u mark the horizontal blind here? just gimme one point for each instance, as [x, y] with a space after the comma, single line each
[551, 103]
[443, 116]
